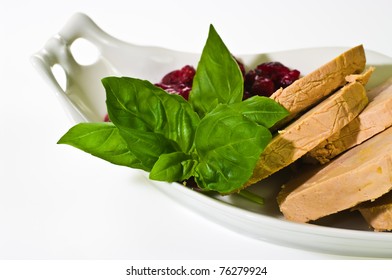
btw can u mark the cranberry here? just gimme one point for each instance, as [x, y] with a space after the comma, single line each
[178, 81]
[247, 94]
[183, 76]
[180, 89]
[289, 78]
[257, 84]
[263, 87]
[272, 69]
[267, 77]
[249, 79]
[264, 80]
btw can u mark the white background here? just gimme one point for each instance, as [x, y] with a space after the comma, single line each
[59, 203]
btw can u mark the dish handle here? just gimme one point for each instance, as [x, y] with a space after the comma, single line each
[57, 53]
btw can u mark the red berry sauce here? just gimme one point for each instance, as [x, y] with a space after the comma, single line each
[264, 80]
[178, 81]
[268, 77]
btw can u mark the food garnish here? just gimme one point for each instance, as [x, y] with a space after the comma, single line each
[216, 137]
[222, 128]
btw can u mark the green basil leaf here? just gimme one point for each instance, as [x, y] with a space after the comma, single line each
[215, 138]
[135, 104]
[147, 146]
[173, 167]
[228, 145]
[262, 110]
[102, 140]
[218, 78]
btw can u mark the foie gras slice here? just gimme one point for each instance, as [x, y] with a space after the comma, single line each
[362, 173]
[378, 213]
[376, 117]
[310, 129]
[313, 87]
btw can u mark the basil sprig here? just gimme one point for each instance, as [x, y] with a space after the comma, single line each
[218, 79]
[216, 138]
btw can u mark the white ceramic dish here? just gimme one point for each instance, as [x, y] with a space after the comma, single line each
[83, 99]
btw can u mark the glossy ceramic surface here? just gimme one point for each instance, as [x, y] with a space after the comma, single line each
[77, 85]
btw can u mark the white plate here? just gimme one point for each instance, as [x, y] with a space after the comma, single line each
[83, 99]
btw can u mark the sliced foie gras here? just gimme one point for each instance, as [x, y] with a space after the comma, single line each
[376, 117]
[362, 173]
[378, 213]
[363, 78]
[315, 86]
[310, 129]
